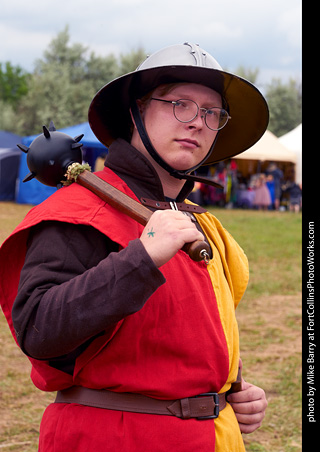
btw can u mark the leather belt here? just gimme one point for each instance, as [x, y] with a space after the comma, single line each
[201, 407]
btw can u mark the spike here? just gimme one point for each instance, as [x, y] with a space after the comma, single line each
[46, 132]
[23, 148]
[76, 145]
[79, 137]
[52, 127]
[29, 177]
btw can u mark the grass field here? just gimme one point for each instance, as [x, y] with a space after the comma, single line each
[269, 319]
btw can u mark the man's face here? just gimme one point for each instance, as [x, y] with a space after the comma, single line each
[181, 145]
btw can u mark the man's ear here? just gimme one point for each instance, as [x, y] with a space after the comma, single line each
[132, 119]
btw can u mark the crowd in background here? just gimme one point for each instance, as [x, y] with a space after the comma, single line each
[268, 190]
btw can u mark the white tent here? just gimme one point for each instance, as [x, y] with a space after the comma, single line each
[293, 141]
[268, 148]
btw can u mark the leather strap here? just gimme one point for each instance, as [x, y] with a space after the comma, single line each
[204, 406]
[183, 207]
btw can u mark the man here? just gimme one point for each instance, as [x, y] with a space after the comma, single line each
[140, 341]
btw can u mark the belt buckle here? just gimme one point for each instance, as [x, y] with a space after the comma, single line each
[216, 407]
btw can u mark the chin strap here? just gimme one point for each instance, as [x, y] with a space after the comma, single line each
[174, 173]
[195, 178]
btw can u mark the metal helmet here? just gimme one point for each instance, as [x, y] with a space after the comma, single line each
[110, 119]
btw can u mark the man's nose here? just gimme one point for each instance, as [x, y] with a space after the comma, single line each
[199, 120]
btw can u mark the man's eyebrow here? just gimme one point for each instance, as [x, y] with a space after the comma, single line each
[207, 104]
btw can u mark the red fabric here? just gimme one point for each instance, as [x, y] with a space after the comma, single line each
[76, 428]
[172, 348]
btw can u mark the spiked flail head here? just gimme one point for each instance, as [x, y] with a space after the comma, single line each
[50, 154]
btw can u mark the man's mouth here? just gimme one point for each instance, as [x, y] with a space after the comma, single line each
[188, 143]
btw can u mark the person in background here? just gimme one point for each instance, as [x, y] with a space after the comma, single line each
[295, 197]
[270, 185]
[262, 198]
[141, 342]
[277, 175]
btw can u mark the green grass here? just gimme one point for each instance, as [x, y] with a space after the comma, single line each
[272, 242]
[269, 318]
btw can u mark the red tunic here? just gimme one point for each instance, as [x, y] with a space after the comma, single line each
[182, 343]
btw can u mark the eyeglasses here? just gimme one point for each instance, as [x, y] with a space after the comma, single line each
[186, 110]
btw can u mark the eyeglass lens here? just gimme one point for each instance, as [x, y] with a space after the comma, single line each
[186, 110]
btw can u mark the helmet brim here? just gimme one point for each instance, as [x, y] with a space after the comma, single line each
[110, 119]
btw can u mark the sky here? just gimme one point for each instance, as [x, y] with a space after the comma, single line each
[263, 34]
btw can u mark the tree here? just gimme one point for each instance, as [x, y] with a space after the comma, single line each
[60, 53]
[13, 83]
[64, 82]
[101, 70]
[248, 74]
[8, 118]
[130, 61]
[13, 87]
[61, 87]
[285, 106]
[48, 99]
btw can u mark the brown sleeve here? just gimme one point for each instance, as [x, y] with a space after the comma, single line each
[74, 285]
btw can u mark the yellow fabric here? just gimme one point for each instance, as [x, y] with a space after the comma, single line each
[228, 435]
[229, 273]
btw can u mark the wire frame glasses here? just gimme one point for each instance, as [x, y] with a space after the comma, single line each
[186, 110]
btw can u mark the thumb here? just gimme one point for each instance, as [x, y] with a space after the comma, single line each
[245, 385]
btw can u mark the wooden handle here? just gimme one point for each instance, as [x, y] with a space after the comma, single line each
[198, 250]
[114, 197]
[236, 386]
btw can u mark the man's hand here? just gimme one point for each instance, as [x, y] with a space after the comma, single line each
[166, 233]
[249, 405]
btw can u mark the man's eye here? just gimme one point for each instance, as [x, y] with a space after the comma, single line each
[212, 112]
[179, 103]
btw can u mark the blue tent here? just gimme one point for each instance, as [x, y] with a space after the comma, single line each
[9, 167]
[33, 192]
[9, 164]
[9, 140]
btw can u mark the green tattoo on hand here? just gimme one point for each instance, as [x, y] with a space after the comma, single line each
[151, 233]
